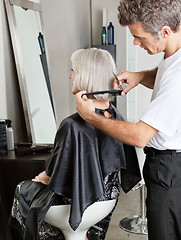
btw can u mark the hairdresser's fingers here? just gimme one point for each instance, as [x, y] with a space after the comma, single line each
[115, 85]
[84, 97]
[80, 101]
[129, 79]
[127, 89]
[84, 106]
[80, 96]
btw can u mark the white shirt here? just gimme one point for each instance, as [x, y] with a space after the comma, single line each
[164, 111]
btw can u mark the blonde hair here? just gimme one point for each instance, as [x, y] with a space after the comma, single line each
[93, 71]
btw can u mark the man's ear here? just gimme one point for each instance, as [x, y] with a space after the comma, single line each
[165, 31]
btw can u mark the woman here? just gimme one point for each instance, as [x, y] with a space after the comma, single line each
[85, 162]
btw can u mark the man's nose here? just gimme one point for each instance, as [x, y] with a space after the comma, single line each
[136, 41]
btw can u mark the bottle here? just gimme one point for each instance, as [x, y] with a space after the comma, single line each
[110, 30]
[41, 42]
[3, 139]
[9, 135]
[103, 36]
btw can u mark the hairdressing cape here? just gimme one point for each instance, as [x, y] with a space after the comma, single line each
[82, 157]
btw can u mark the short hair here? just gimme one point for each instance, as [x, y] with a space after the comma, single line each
[152, 14]
[94, 70]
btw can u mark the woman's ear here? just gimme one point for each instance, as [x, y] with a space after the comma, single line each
[165, 31]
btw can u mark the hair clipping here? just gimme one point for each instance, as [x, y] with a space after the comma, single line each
[111, 92]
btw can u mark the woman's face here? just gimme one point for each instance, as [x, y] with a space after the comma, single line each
[71, 76]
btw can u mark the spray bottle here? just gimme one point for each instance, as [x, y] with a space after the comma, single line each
[103, 33]
[9, 135]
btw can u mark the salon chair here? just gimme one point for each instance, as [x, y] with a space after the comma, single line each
[58, 216]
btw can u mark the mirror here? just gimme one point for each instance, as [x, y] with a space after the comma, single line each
[25, 25]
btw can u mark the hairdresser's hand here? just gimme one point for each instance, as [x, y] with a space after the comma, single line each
[42, 177]
[131, 78]
[85, 106]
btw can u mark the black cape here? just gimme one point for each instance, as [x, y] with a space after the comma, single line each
[82, 157]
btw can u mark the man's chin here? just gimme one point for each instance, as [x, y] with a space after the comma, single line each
[149, 52]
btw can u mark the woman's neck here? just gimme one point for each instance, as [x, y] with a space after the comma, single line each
[101, 104]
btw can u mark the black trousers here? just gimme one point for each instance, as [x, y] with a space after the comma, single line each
[162, 175]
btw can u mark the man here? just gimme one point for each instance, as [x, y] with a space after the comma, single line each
[155, 26]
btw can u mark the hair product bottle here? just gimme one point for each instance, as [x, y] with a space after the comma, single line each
[103, 36]
[41, 42]
[3, 140]
[110, 30]
[9, 135]
[104, 24]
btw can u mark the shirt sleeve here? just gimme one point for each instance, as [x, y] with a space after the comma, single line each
[163, 113]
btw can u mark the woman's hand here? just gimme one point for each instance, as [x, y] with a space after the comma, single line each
[42, 177]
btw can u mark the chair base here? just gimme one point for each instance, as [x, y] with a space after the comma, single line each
[75, 235]
[135, 224]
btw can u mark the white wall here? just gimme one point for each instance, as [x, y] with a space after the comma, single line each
[66, 29]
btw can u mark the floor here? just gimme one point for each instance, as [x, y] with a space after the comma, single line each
[128, 205]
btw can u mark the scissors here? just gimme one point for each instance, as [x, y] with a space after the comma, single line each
[118, 82]
[112, 92]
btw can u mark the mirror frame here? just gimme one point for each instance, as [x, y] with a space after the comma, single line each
[26, 4]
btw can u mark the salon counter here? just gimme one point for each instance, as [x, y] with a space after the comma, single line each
[14, 169]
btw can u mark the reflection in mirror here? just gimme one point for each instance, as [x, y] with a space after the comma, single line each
[25, 26]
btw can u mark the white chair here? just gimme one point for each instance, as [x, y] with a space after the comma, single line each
[58, 216]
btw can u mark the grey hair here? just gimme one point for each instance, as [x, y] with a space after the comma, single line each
[93, 71]
[152, 14]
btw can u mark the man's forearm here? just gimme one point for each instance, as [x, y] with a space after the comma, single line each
[148, 78]
[136, 134]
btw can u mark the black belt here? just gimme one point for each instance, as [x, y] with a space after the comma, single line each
[152, 151]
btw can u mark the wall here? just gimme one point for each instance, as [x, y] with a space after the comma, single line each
[10, 101]
[66, 29]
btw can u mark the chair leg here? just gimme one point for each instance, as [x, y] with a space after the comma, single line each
[137, 223]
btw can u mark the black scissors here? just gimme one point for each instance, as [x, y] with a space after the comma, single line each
[119, 85]
[112, 92]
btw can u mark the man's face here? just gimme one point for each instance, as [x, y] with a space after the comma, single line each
[146, 40]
